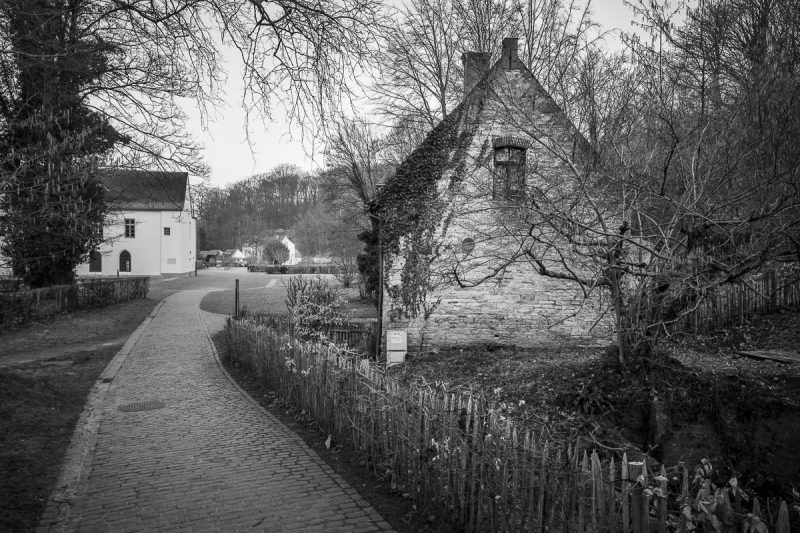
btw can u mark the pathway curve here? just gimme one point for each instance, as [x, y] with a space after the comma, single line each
[210, 459]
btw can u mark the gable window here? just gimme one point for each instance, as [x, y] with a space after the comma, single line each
[509, 168]
[125, 261]
[95, 262]
[130, 228]
[166, 231]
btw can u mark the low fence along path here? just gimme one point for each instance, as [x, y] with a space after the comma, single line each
[179, 448]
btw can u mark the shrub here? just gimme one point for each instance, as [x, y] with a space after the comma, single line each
[293, 269]
[347, 270]
[275, 252]
[314, 306]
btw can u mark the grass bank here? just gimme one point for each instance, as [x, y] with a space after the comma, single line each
[40, 401]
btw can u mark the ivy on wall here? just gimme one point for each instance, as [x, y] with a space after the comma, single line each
[411, 210]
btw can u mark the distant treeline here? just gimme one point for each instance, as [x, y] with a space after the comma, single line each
[249, 211]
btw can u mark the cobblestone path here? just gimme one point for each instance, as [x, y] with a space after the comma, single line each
[209, 459]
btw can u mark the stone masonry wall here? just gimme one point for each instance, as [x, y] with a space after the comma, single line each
[520, 307]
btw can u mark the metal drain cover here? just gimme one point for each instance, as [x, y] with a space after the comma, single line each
[142, 406]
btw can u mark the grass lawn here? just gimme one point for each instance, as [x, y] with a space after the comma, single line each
[40, 402]
[271, 298]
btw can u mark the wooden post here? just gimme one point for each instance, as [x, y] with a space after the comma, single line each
[236, 307]
[612, 510]
[773, 292]
[626, 490]
[584, 473]
[637, 497]
[543, 475]
[598, 495]
[662, 501]
[756, 508]
[782, 522]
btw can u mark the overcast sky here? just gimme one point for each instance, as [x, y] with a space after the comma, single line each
[228, 154]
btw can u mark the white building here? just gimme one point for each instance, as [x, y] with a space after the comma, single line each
[294, 255]
[151, 229]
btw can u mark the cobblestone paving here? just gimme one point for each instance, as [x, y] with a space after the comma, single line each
[208, 461]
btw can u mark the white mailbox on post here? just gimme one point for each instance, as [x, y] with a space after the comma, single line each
[396, 346]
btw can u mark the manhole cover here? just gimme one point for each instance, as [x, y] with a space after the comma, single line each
[142, 406]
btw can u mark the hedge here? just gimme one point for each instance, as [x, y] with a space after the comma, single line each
[294, 269]
[22, 307]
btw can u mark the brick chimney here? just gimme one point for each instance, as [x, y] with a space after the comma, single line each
[476, 65]
[509, 58]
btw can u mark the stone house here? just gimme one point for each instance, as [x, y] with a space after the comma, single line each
[453, 272]
[150, 229]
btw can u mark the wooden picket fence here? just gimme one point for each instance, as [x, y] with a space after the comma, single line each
[454, 448]
[21, 307]
[734, 304]
[358, 336]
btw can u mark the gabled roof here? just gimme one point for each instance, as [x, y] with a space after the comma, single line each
[437, 144]
[147, 190]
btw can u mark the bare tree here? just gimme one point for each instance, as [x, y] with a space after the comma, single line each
[556, 42]
[107, 75]
[691, 181]
[421, 75]
[420, 63]
[484, 23]
[403, 138]
[355, 167]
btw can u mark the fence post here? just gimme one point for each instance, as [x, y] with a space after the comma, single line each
[773, 292]
[638, 500]
[626, 491]
[236, 305]
[599, 509]
[612, 508]
[662, 501]
[782, 522]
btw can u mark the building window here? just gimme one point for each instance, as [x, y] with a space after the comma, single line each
[166, 232]
[125, 261]
[509, 167]
[98, 230]
[95, 262]
[130, 228]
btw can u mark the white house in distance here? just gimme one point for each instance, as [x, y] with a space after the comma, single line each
[150, 230]
[256, 251]
[294, 254]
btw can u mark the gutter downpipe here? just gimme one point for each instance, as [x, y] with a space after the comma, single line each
[377, 219]
[380, 297]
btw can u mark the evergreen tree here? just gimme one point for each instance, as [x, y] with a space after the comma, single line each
[52, 205]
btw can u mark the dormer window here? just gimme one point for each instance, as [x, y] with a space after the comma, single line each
[509, 168]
